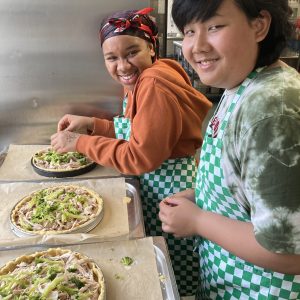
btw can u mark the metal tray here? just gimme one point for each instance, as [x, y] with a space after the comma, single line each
[135, 216]
[168, 282]
[135, 213]
[3, 155]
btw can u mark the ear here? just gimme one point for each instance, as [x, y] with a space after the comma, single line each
[152, 50]
[261, 25]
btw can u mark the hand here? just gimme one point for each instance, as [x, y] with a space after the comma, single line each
[188, 194]
[75, 123]
[64, 141]
[179, 216]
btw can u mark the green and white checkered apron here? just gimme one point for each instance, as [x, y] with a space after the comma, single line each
[174, 175]
[223, 275]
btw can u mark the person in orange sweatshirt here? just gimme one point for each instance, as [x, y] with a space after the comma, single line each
[157, 135]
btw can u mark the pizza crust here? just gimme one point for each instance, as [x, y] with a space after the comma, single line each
[82, 225]
[98, 277]
[39, 164]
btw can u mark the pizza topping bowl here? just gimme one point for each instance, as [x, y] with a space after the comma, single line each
[52, 274]
[58, 209]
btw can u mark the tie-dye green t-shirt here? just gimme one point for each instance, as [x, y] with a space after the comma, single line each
[261, 157]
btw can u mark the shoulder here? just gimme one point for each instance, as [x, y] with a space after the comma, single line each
[273, 88]
[167, 79]
[261, 146]
[162, 65]
[166, 70]
[266, 120]
[273, 95]
[267, 111]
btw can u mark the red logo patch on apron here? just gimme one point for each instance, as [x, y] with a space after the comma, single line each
[215, 126]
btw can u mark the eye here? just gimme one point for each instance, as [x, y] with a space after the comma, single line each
[215, 27]
[188, 32]
[132, 53]
[111, 58]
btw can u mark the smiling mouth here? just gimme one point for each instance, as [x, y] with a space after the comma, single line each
[128, 77]
[206, 62]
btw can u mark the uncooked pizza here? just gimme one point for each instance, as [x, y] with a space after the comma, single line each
[52, 274]
[58, 209]
[48, 162]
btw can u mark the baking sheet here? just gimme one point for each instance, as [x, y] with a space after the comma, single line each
[141, 280]
[135, 213]
[113, 225]
[166, 275]
[17, 165]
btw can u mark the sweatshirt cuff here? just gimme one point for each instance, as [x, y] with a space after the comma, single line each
[82, 142]
[103, 127]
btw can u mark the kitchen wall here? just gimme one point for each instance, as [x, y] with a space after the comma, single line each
[51, 64]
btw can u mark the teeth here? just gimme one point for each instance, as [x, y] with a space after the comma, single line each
[207, 62]
[128, 77]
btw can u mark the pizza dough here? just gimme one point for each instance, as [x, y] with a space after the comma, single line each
[52, 274]
[58, 209]
[49, 163]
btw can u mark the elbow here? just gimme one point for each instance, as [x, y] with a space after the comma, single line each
[137, 168]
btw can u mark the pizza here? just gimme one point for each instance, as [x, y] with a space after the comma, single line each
[57, 209]
[50, 160]
[52, 274]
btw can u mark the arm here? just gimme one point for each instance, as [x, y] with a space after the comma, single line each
[75, 123]
[69, 126]
[156, 125]
[68, 132]
[271, 185]
[183, 218]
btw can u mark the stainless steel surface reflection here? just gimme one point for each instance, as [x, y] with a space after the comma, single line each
[51, 64]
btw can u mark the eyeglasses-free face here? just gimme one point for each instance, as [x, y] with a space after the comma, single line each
[126, 57]
[223, 50]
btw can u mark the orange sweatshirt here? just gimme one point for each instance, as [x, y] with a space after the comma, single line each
[166, 115]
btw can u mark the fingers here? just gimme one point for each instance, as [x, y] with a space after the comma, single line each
[164, 216]
[55, 143]
[64, 123]
[58, 142]
[166, 228]
[175, 215]
[165, 207]
[172, 201]
[53, 139]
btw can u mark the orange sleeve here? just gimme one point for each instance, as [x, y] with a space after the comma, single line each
[103, 127]
[155, 129]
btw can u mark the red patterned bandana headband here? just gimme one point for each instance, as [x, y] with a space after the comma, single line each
[136, 23]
